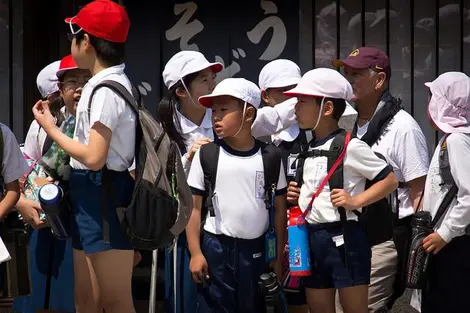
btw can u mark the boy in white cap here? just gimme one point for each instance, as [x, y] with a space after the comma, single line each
[238, 238]
[448, 273]
[275, 78]
[337, 262]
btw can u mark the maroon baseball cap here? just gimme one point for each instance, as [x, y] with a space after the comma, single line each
[366, 57]
[103, 19]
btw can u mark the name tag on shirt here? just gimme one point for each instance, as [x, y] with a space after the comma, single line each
[338, 240]
[292, 165]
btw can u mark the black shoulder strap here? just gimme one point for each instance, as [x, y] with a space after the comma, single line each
[336, 180]
[134, 99]
[271, 164]
[2, 151]
[209, 157]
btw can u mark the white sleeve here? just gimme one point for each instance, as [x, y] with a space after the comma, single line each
[270, 120]
[186, 164]
[411, 154]
[106, 108]
[281, 183]
[31, 146]
[196, 174]
[361, 159]
[458, 218]
[14, 164]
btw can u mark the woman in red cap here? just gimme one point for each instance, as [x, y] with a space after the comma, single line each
[51, 262]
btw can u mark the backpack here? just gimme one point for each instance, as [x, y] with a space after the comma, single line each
[161, 201]
[377, 219]
[209, 157]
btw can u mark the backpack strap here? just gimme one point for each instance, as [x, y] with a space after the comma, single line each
[106, 176]
[209, 156]
[444, 164]
[271, 165]
[336, 180]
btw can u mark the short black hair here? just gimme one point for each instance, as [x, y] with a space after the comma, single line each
[339, 106]
[111, 53]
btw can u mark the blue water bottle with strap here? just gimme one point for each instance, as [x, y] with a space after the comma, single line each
[299, 246]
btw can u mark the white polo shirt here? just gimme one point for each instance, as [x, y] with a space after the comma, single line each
[360, 163]
[113, 112]
[240, 211]
[404, 146]
[14, 164]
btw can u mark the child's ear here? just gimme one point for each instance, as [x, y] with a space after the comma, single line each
[250, 114]
[180, 92]
[328, 108]
[264, 96]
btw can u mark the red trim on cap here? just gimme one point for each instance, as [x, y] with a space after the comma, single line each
[206, 101]
[290, 93]
[217, 67]
[66, 64]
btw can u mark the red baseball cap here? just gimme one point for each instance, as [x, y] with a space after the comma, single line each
[366, 57]
[103, 19]
[66, 64]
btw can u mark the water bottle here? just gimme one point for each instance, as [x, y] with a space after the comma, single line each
[299, 247]
[418, 258]
[273, 296]
[57, 214]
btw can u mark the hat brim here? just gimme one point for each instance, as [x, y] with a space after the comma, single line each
[63, 70]
[348, 62]
[444, 127]
[428, 84]
[302, 92]
[69, 20]
[207, 101]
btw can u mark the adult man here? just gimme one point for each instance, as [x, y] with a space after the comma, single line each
[403, 144]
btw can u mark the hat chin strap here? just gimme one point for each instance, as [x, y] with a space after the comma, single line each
[187, 90]
[243, 120]
[319, 114]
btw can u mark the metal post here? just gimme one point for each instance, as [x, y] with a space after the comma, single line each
[153, 282]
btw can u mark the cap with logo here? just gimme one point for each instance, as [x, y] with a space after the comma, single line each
[366, 57]
[184, 63]
[47, 81]
[66, 64]
[449, 107]
[279, 73]
[323, 82]
[103, 19]
[239, 88]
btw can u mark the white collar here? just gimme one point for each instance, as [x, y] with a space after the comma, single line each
[188, 126]
[117, 69]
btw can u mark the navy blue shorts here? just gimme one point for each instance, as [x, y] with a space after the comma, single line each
[332, 267]
[235, 266]
[85, 197]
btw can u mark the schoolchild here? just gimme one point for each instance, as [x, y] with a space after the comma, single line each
[339, 249]
[187, 76]
[51, 263]
[275, 78]
[448, 272]
[228, 255]
[103, 142]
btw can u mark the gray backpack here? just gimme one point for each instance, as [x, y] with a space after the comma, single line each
[161, 202]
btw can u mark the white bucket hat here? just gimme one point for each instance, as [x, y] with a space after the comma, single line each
[449, 107]
[239, 88]
[184, 63]
[47, 80]
[279, 73]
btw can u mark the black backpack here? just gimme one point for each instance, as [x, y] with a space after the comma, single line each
[379, 220]
[161, 201]
[209, 156]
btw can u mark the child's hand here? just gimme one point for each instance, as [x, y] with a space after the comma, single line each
[196, 145]
[198, 267]
[43, 115]
[433, 243]
[30, 209]
[340, 198]
[293, 193]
